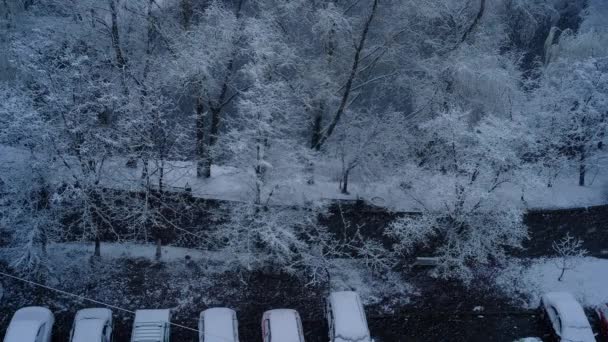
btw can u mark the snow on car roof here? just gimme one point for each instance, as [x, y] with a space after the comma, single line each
[101, 313]
[349, 318]
[574, 323]
[36, 313]
[159, 315]
[284, 325]
[22, 331]
[219, 325]
[149, 325]
[88, 330]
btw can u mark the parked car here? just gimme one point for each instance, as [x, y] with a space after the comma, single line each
[218, 325]
[566, 318]
[92, 325]
[151, 326]
[602, 314]
[30, 324]
[346, 318]
[282, 325]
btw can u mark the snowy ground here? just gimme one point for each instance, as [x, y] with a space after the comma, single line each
[229, 183]
[129, 277]
[587, 281]
[347, 274]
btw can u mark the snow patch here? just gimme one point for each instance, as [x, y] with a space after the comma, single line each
[587, 281]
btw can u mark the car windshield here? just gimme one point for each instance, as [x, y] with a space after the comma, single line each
[88, 330]
[22, 331]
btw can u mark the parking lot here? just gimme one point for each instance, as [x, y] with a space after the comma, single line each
[423, 327]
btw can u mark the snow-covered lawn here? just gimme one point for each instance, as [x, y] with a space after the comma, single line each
[229, 183]
[129, 250]
[587, 281]
[347, 274]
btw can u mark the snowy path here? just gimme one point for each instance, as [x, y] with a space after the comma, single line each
[229, 183]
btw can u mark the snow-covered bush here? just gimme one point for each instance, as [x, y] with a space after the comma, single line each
[275, 239]
[468, 224]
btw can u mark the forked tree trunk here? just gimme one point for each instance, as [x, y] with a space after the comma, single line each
[217, 108]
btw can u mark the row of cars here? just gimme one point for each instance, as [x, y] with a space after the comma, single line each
[567, 320]
[344, 311]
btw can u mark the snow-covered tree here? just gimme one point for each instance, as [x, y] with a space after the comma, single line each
[465, 223]
[568, 251]
[206, 67]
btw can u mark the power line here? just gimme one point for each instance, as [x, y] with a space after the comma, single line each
[96, 301]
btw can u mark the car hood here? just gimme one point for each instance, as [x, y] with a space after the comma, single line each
[22, 331]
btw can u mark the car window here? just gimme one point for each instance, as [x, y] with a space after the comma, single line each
[555, 319]
[266, 332]
[604, 311]
[167, 332]
[40, 334]
[235, 327]
[72, 331]
[202, 329]
[107, 333]
[300, 329]
[330, 321]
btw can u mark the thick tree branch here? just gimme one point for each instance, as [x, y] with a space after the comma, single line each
[349, 83]
[482, 6]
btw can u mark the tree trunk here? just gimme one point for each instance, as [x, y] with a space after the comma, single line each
[310, 172]
[351, 78]
[144, 169]
[158, 249]
[213, 136]
[345, 181]
[316, 131]
[201, 148]
[97, 252]
[217, 108]
[561, 276]
[582, 170]
[120, 60]
[482, 6]
[161, 175]
[187, 12]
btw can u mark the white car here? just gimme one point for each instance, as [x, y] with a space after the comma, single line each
[282, 325]
[566, 317]
[218, 325]
[151, 326]
[346, 318]
[30, 324]
[92, 325]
